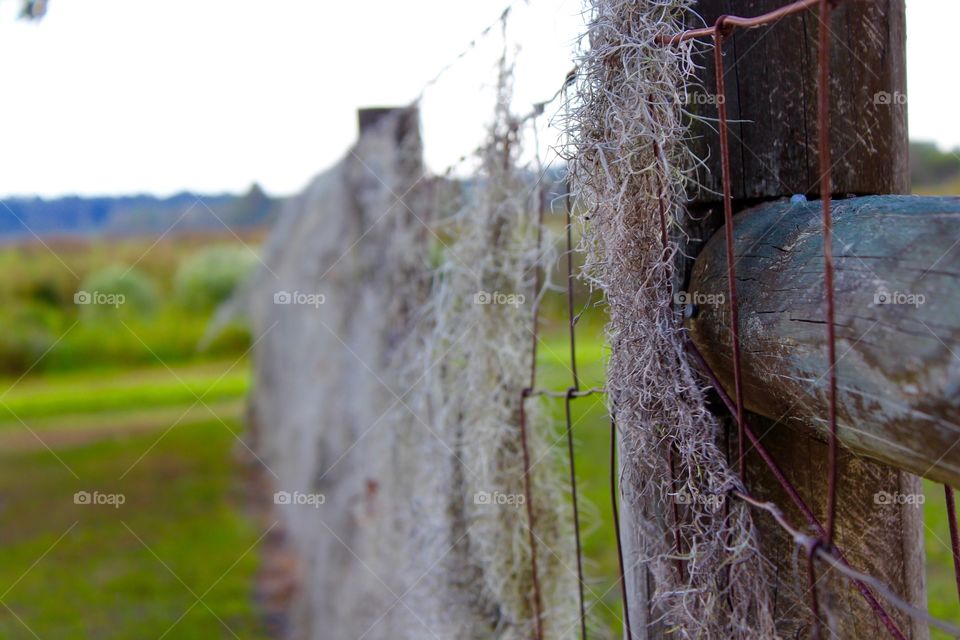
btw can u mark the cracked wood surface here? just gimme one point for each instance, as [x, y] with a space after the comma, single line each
[898, 323]
[772, 99]
[771, 78]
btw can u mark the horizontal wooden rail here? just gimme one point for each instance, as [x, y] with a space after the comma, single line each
[897, 293]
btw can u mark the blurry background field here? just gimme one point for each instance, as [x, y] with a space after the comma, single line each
[124, 400]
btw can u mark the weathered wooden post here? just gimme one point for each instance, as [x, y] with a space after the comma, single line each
[771, 100]
[898, 316]
[332, 309]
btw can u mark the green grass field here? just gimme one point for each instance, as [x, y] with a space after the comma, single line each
[72, 570]
[941, 583]
[88, 405]
[591, 428]
[57, 395]
[184, 500]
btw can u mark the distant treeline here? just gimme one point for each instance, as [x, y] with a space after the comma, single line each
[134, 215]
[929, 166]
[143, 214]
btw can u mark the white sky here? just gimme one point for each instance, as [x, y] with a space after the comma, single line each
[122, 96]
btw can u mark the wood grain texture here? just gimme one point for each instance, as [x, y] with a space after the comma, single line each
[878, 536]
[898, 323]
[771, 98]
[772, 102]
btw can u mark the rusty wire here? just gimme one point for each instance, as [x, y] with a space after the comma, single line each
[788, 487]
[524, 394]
[823, 135]
[572, 332]
[527, 492]
[954, 535]
[820, 547]
[721, 29]
[614, 491]
[724, 27]
[739, 21]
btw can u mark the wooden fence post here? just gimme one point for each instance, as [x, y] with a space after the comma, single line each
[333, 306]
[771, 99]
[897, 319]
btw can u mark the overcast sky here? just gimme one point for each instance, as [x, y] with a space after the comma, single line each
[122, 96]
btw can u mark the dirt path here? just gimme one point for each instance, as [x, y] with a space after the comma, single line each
[71, 431]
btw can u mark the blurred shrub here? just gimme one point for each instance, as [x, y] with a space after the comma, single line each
[118, 289]
[232, 339]
[169, 336]
[47, 291]
[39, 283]
[29, 330]
[30, 277]
[210, 276]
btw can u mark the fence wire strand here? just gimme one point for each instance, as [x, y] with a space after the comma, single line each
[954, 535]
[823, 546]
[820, 547]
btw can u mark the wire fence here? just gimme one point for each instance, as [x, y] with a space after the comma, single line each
[819, 547]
